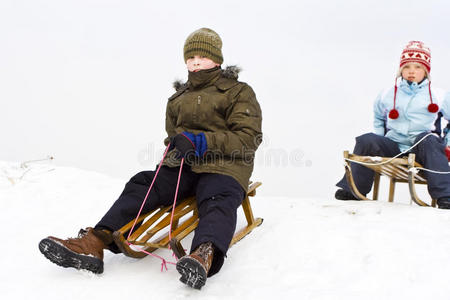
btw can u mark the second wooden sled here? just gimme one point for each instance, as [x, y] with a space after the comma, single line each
[153, 231]
[397, 170]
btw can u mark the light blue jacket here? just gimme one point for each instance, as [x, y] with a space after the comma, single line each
[414, 118]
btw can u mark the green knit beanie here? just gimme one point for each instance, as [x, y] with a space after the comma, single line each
[205, 42]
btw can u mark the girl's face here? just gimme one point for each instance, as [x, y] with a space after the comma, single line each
[414, 72]
[197, 63]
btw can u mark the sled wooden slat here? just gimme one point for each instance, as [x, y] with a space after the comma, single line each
[396, 170]
[153, 233]
[141, 229]
[184, 208]
[163, 241]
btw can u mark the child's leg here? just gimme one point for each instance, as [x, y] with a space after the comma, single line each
[218, 198]
[431, 154]
[129, 202]
[86, 251]
[368, 144]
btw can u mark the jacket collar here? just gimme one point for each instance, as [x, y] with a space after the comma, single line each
[228, 78]
[203, 78]
[413, 87]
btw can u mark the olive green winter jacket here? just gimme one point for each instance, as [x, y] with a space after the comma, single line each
[227, 112]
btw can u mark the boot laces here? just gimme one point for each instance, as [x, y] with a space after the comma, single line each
[205, 250]
[82, 233]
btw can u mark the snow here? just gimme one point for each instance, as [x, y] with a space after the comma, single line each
[306, 248]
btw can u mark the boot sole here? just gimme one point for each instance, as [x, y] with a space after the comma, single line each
[192, 272]
[66, 258]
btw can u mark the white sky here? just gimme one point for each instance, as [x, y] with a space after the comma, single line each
[87, 81]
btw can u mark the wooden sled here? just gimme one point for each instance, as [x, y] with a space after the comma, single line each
[397, 170]
[153, 232]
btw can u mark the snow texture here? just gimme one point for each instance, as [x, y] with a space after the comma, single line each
[306, 248]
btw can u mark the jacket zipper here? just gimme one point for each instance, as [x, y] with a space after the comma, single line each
[196, 109]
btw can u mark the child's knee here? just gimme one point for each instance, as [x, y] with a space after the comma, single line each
[367, 139]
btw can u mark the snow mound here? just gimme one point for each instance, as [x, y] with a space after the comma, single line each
[306, 248]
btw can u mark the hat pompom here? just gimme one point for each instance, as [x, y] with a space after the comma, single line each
[393, 114]
[433, 108]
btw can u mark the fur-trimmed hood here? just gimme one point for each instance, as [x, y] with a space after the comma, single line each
[231, 72]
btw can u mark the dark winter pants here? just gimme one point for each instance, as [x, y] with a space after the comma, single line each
[429, 153]
[218, 197]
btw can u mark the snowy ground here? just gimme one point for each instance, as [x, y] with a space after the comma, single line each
[305, 249]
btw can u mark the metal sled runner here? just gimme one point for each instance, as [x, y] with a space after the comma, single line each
[397, 170]
[153, 232]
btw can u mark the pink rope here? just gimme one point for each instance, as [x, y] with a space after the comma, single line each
[164, 262]
[148, 191]
[175, 200]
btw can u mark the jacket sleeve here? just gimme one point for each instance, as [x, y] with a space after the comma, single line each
[170, 124]
[379, 116]
[243, 120]
[445, 109]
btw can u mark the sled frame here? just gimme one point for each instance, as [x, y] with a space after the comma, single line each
[153, 231]
[397, 170]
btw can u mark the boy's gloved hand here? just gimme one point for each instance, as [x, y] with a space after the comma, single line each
[447, 151]
[188, 144]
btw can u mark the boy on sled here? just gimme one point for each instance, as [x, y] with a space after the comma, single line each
[213, 123]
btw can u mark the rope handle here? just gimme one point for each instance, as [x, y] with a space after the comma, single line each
[175, 200]
[414, 170]
[164, 262]
[148, 191]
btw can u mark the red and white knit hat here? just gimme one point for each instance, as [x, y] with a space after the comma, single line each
[416, 51]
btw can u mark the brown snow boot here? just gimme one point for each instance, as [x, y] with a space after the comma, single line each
[194, 267]
[84, 252]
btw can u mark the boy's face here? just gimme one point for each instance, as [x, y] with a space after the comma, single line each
[197, 63]
[414, 72]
